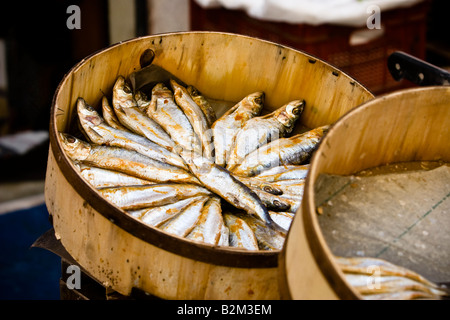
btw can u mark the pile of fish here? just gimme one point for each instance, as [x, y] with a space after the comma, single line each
[377, 279]
[166, 159]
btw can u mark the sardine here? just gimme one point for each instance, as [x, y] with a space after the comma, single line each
[240, 233]
[261, 130]
[125, 161]
[183, 223]
[110, 116]
[284, 219]
[142, 101]
[156, 216]
[289, 172]
[291, 186]
[226, 127]
[137, 197]
[219, 181]
[172, 119]
[196, 117]
[367, 265]
[103, 178]
[99, 132]
[375, 284]
[260, 184]
[284, 202]
[210, 224]
[267, 238]
[129, 115]
[288, 187]
[284, 151]
[224, 239]
[203, 103]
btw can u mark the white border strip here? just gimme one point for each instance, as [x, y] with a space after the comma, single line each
[23, 203]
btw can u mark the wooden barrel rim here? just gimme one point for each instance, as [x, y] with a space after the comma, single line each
[202, 252]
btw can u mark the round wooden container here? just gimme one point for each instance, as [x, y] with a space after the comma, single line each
[408, 125]
[121, 252]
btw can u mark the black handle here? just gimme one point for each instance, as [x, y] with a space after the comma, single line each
[402, 65]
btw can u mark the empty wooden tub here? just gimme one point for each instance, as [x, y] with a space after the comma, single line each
[120, 251]
[401, 127]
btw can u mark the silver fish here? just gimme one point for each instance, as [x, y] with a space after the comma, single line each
[183, 223]
[284, 151]
[288, 172]
[137, 197]
[99, 132]
[169, 116]
[129, 114]
[240, 233]
[403, 295]
[210, 224]
[375, 284]
[291, 186]
[196, 117]
[110, 116]
[267, 238]
[142, 101]
[203, 103]
[221, 182]
[284, 202]
[156, 216]
[261, 130]
[284, 219]
[366, 265]
[103, 178]
[125, 161]
[224, 239]
[226, 127]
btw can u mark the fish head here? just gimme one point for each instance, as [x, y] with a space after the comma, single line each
[142, 100]
[160, 90]
[123, 94]
[256, 102]
[271, 189]
[87, 114]
[289, 113]
[193, 91]
[175, 85]
[75, 148]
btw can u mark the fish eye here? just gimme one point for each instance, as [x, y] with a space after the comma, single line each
[126, 88]
[195, 92]
[70, 139]
[277, 203]
[268, 189]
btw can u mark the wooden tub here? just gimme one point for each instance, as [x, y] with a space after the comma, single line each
[404, 126]
[123, 253]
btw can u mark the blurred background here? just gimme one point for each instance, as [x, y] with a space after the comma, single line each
[37, 48]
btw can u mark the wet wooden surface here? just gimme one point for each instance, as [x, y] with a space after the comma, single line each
[400, 213]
